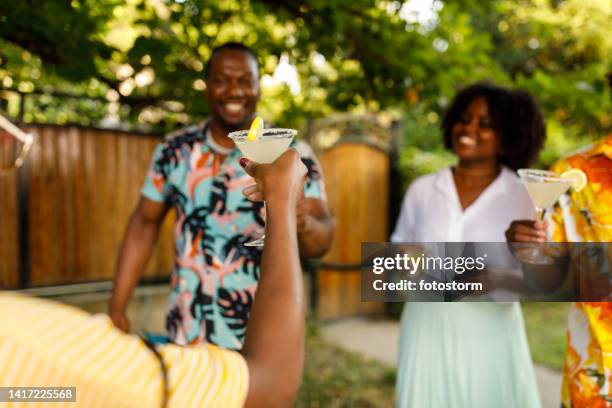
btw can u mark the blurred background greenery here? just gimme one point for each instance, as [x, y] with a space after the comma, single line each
[139, 63]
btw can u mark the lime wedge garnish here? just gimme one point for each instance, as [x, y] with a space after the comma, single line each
[578, 177]
[256, 129]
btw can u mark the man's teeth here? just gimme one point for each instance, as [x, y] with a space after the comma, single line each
[233, 107]
[466, 140]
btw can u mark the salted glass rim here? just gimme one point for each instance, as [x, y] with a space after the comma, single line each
[541, 176]
[271, 133]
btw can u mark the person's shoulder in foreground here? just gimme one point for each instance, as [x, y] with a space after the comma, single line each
[68, 347]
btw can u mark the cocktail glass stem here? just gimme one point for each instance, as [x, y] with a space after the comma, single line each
[540, 213]
[259, 242]
[265, 149]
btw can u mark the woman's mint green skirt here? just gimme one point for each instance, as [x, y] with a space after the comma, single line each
[464, 355]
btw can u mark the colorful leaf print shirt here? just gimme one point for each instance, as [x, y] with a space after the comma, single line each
[215, 276]
[587, 217]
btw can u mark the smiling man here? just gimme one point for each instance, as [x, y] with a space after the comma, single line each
[196, 172]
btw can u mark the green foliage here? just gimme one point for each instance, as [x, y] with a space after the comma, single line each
[559, 51]
[141, 61]
[64, 34]
[423, 151]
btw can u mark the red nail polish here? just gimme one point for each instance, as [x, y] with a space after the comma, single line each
[243, 161]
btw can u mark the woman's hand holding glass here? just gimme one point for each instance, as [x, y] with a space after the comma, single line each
[280, 180]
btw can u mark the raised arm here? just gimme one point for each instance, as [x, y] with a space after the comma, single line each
[274, 344]
[140, 237]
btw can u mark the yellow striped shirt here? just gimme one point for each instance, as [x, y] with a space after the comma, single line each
[49, 344]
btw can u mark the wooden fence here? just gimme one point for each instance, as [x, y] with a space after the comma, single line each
[356, 176]
[72, 199]
[63, 214]
[9, 230]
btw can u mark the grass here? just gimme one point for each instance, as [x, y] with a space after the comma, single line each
[335, 378]
[546, 324]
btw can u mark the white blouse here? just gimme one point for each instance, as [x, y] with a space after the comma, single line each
[431, 210]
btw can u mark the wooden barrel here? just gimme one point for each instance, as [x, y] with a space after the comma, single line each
[356, 175]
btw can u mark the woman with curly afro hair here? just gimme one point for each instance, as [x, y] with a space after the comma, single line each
[467, 354]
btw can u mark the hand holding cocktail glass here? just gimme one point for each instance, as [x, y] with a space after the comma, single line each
[261, 146]
[278, 182]
[271, 179]
[544, 188]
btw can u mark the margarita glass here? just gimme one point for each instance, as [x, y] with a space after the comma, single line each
[544, 188]
[265, 149]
